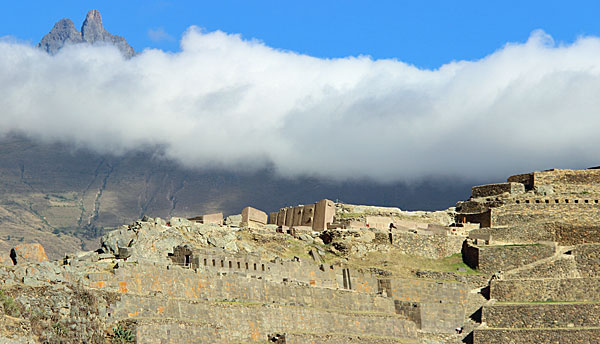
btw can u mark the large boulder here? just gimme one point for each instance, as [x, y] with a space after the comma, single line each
[28, 253]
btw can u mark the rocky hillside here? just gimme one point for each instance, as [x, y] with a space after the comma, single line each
[298, 288]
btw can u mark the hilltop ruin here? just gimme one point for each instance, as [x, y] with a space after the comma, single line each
[516, 263]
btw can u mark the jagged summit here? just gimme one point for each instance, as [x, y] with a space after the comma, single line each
[92, 31]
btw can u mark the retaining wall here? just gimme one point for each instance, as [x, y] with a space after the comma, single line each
[557, 315]
[530, 336]
[588, 259]
[186, 283]
[546, 211]
[497, 189]
[434, 246]
[506, 257]
[567, 289]
[218, 322]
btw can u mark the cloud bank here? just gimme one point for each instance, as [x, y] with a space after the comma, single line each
[226, 102]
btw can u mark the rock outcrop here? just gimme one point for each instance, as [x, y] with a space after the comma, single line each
[28, 253]
[92, 31]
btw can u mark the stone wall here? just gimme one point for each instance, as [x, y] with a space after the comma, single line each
[418, 290]
[441, 317]
[550, 315]
[435, 317]
[251, 215]
[252, 265]
[504, 257]
[430, 245]
[546, 210]
[588, 259]
[531, 336]
[525, 179]
[186, 283]
[575, 233]
[562, 267]
[483, 218]
[218, 322]
[525, 234]
[569, 181]
[568, 289]
[497, 189]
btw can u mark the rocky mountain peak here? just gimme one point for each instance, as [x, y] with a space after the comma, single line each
[92, 32]
[62, 33]
[92, 29]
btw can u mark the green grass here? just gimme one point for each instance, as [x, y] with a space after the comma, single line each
[10, 306]
[404, 265]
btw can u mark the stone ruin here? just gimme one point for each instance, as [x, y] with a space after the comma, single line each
[532, 243]
[539, 237]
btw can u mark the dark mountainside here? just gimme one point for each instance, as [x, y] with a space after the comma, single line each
[66, 198]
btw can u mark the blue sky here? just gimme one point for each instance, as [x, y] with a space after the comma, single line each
[423, 33]
[488, 108]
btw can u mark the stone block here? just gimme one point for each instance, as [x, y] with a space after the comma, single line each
[308, 214]
[233, 220]
[379, 222]
[289, 216]
[216, 218]
[251, 215]
[213, 218]
[297, 216]
[281, 217]
[324, 213]
[273, 218]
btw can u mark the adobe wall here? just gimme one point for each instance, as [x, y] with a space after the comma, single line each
[570, 289]
[542, 315]
[530, 336]
[219, 322]
[186, 283]
[505, 257]
[497, 189]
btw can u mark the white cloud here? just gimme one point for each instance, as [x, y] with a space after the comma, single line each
[226, 102]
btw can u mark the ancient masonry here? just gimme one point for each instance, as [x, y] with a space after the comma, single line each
[540, 237]
[533, 243]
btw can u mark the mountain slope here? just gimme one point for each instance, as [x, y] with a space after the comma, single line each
[65, 198]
